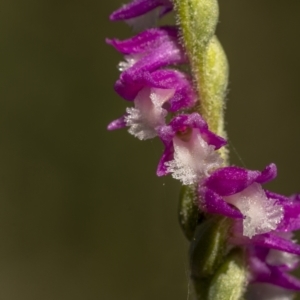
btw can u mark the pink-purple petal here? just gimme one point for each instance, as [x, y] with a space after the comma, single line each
[265, 273]
[144, 41]
[268, 174]
[166, 54]
[291, 218]
[281, 199]
[137, 8]
[117, 124]
[167, 155]
[194, 120]
[184, 96]
[230, 180]
[132, 80]
[268, 240]
[214, 204]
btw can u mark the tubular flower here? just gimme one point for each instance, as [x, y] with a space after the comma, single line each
[263, 225]
[154, 91]
[190, 146]
[236, 192]
[145, 53]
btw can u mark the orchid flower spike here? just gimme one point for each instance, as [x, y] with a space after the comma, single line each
[175, 79]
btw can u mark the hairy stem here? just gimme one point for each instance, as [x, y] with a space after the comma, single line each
[197, 20]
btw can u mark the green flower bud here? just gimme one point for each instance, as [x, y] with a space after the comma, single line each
[198, 20]
[230, 279]
[213, 79]
[208, 246]
[213, 87]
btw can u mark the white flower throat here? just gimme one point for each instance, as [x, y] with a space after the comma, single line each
[193, 158]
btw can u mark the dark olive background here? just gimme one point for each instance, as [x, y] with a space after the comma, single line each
[82, 213]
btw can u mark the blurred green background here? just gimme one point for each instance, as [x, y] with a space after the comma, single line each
[82, 213]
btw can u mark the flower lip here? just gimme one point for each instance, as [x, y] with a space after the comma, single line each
[261, 214]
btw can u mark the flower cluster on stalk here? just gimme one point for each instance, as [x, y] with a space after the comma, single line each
[162, 103]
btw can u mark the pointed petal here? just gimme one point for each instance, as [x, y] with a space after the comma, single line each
[117, 124]
[166, 134]
[168, 53]
[270, 241]
[268, 174]
[291, 219]
[145, 41]
[135, 9]
[273, 275]
[128, 91]
[168, 155]
[133, 79]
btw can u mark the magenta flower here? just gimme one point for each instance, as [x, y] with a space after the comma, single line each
[272, 266]
[164, 91]
[190, 146]
[270, 258]
[236, 192]
[154, 91]
[147, 115]
[263, 225]
[146, 53]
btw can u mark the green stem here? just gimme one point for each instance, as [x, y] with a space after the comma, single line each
[197, 20]
[217, 275]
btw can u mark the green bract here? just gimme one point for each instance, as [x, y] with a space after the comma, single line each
[208, 246]
[229, 281]
[188, 212]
